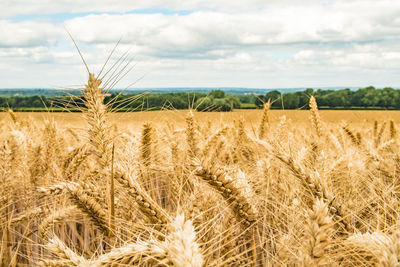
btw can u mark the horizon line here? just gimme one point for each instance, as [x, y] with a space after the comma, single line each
[206, 87]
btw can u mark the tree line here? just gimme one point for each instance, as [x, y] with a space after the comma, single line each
[214, 101]
[364, 98]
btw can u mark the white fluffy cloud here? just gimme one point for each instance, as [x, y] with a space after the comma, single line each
[218, 43]
[27, 33]
[10, 8]
[205, 30]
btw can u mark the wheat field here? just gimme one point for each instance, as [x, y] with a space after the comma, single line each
[183, 188]
[133, 121]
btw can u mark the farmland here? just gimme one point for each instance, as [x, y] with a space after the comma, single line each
[196, 134]
[185, 188]
[251, 118]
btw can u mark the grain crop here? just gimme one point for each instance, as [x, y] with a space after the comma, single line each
[186, 188]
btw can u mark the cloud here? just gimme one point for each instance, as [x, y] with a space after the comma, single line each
[218, 43]
[367, 58]
[204, 31]
[27, 33]
[10, 8]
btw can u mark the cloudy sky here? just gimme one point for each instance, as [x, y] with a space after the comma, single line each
[209, 43]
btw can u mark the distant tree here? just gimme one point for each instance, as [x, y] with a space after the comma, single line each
[222, 104]
[291, 101]
[274, 96]
[234, 101]
[335, 99]
[178, 103]
[37, 104]
[217, 94]
[204, 104]
[371, 97]
[3, 102]
[356, 98]
[11, 102]
[388, 96]
[259, 101]
[247, 98]
[304, 97]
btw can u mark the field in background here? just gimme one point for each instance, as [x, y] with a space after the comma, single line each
[251, 118]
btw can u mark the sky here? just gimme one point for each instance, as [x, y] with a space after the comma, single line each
[209, 43]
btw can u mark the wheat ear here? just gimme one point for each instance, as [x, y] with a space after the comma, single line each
[316, 189]
[65, 254]
[354, 139]
[146, 204]
[178, 249]
[318, 231]
[264, 120]
[146, 142]
[75, 158]
[191, 135]
[63, 188]
[96, 116]
[380, 134]
[36, 166]
[213, 140]
[219, 180]
[55, 217]
[34, 213]
[385, 248]
[57, 189]
[141, 253]
[315, 119]
[181, 245]
[393, 131]
[89, 206]
[13, 116]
